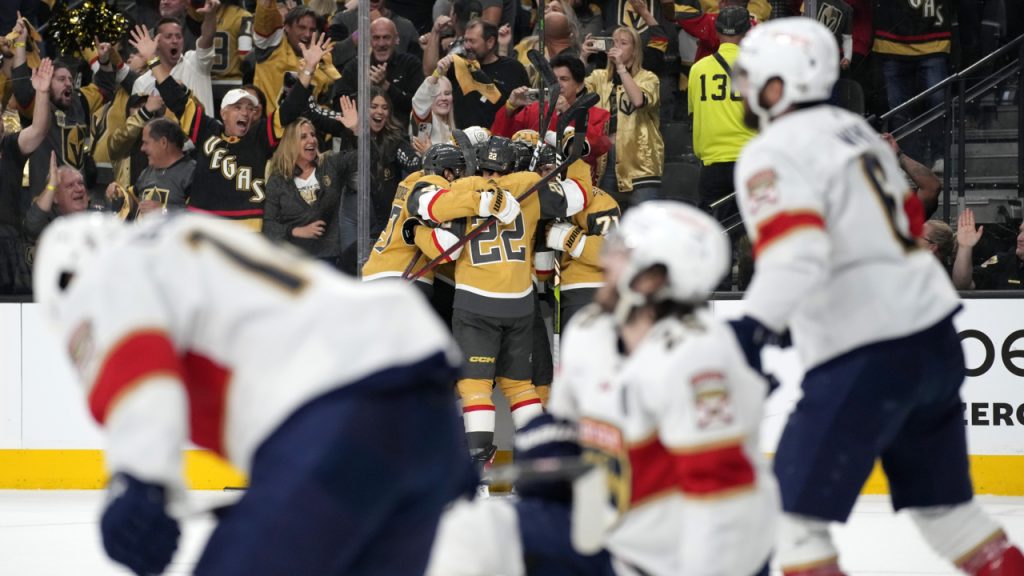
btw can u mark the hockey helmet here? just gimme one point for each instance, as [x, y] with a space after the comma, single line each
[547, 157]
[497, 155]
[441, 156]
[477, 135]
[524, 155]
[68, 246]
[527, 136]
[691, 245]
[799, 51]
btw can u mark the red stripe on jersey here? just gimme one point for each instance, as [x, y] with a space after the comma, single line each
[229, 213]
[778, 226]
[197, 116]
[914, 209]
[430, 205]
[914, 38]
[696, 380]
[652, 468]
[271, 138]
[478, 408]
[582, 191]
[712, 471]
[206, 383]
[519, 405]
[433, 238]
[138, 356]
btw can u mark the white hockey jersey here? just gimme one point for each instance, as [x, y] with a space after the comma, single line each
[195, 328]
[676, 424]
[826, 208]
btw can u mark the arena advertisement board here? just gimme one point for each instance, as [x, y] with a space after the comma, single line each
[48, 440]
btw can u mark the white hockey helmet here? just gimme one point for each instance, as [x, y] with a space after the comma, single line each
[67, 247]
[799, 51]
[691, 245]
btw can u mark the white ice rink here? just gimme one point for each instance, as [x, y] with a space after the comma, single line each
[55, 533]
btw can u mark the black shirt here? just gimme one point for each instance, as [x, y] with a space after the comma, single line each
[404, 75]
[1004, 271]
[12, 163]
[470, 110]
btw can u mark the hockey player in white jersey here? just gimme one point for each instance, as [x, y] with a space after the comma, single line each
[334, 397]
[666, 404]
[835, 234]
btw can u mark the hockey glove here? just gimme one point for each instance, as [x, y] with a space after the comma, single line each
[567, 238]
[753, 336]
[500, 204]
[443, 239]
[136, 529]
[409, 230]
[550, 138]
[546, 437]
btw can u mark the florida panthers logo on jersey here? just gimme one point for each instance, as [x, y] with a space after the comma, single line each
[761, 191]
[711, 400]
[603, 445]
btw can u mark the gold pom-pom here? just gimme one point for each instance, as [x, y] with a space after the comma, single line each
[71, 31]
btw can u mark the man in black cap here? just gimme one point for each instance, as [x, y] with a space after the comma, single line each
[719, 132]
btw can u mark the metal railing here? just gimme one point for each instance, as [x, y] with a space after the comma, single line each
[956, 97]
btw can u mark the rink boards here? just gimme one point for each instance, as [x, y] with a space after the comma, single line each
[48, 441]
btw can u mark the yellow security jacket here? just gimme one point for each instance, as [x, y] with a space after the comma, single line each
[639, 149]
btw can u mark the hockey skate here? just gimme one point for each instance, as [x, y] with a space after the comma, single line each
[482, 458]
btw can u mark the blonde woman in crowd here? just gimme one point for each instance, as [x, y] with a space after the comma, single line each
[433, 117]
[304, 190]
[632, 168]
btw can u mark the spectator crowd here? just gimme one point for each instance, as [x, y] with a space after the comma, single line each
[246, 109]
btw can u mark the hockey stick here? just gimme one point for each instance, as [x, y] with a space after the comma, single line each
[469, 154]
[468, 151]
[550, 91]
[539, 470]
[579, 115]
[580, 110]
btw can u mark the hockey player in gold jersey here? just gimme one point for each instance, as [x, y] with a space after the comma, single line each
[392, 253]
[494, 299]
[580, 241]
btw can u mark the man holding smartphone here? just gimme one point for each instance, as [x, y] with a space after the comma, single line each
[522, 111]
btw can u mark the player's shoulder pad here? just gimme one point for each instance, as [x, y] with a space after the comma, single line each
[601, 201]
[430, 180]
[411, 179]
[523, 179]
[428, 184]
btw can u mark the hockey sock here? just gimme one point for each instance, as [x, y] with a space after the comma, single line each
[958, 532]
[543, 392]
[522, 400]
[477, 413]
[805, 547]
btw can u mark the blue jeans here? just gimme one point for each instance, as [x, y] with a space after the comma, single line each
[906, 78]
